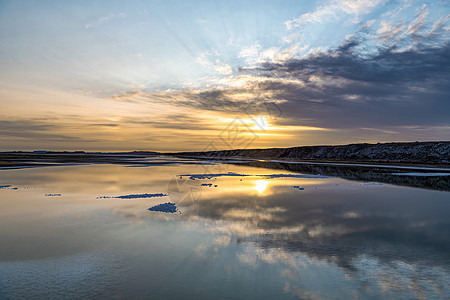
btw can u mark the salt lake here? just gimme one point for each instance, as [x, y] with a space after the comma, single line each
[246, 230]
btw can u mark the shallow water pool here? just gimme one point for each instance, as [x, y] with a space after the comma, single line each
[247, 230]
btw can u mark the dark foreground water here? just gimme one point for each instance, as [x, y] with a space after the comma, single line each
[248, 231]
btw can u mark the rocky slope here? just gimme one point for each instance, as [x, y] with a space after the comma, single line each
[416, 152]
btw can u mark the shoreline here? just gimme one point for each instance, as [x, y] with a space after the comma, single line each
[30, 161]
[430, 156]
[349, 163]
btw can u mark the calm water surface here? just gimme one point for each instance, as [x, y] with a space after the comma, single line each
[241, 231]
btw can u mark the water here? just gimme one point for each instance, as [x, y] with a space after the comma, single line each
[244, 230]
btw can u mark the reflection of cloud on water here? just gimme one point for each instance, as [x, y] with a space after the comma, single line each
[366, 237]
[401, 277]
[326, 245]
[351, 214]
[370, 276]
[253, 255]
[223, 240]
[253, 215]
[332, 235]
[248, 229]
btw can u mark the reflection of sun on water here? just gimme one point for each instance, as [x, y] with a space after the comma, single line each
[261, 185]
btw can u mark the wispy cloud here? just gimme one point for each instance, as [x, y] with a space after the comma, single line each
[35, 129]
[255, 54]
[335, 10]
[211, 60]
[105, 19]
[110, 17]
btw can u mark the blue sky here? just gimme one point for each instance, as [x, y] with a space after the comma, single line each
[102, 75]
[154, 43]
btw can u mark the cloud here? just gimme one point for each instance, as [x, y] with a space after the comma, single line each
[418, 22]
[334, 10]
[164, 131]
[110, 17]
[241, 95]
[251, 53]
[173, 122]
[404, 34]
[255, 54]
[106, 19]
[318, 16]
[342, 87]
[222, 68]
[386, 77]
[339, 88]
[389, 32]
[358, 7]
[211, 60]
[33, 129]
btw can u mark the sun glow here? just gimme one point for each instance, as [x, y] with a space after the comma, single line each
[261, 123]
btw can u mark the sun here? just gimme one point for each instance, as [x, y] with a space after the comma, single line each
[261, 123]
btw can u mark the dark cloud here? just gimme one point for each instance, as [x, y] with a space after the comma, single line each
[388, 65]
[391, 87]
[104, 125]
[249, 99]
[32, 129]
[172, 121]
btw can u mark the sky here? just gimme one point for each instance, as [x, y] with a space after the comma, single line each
[207, 75]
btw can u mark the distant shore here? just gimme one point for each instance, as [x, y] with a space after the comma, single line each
[415, 154]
